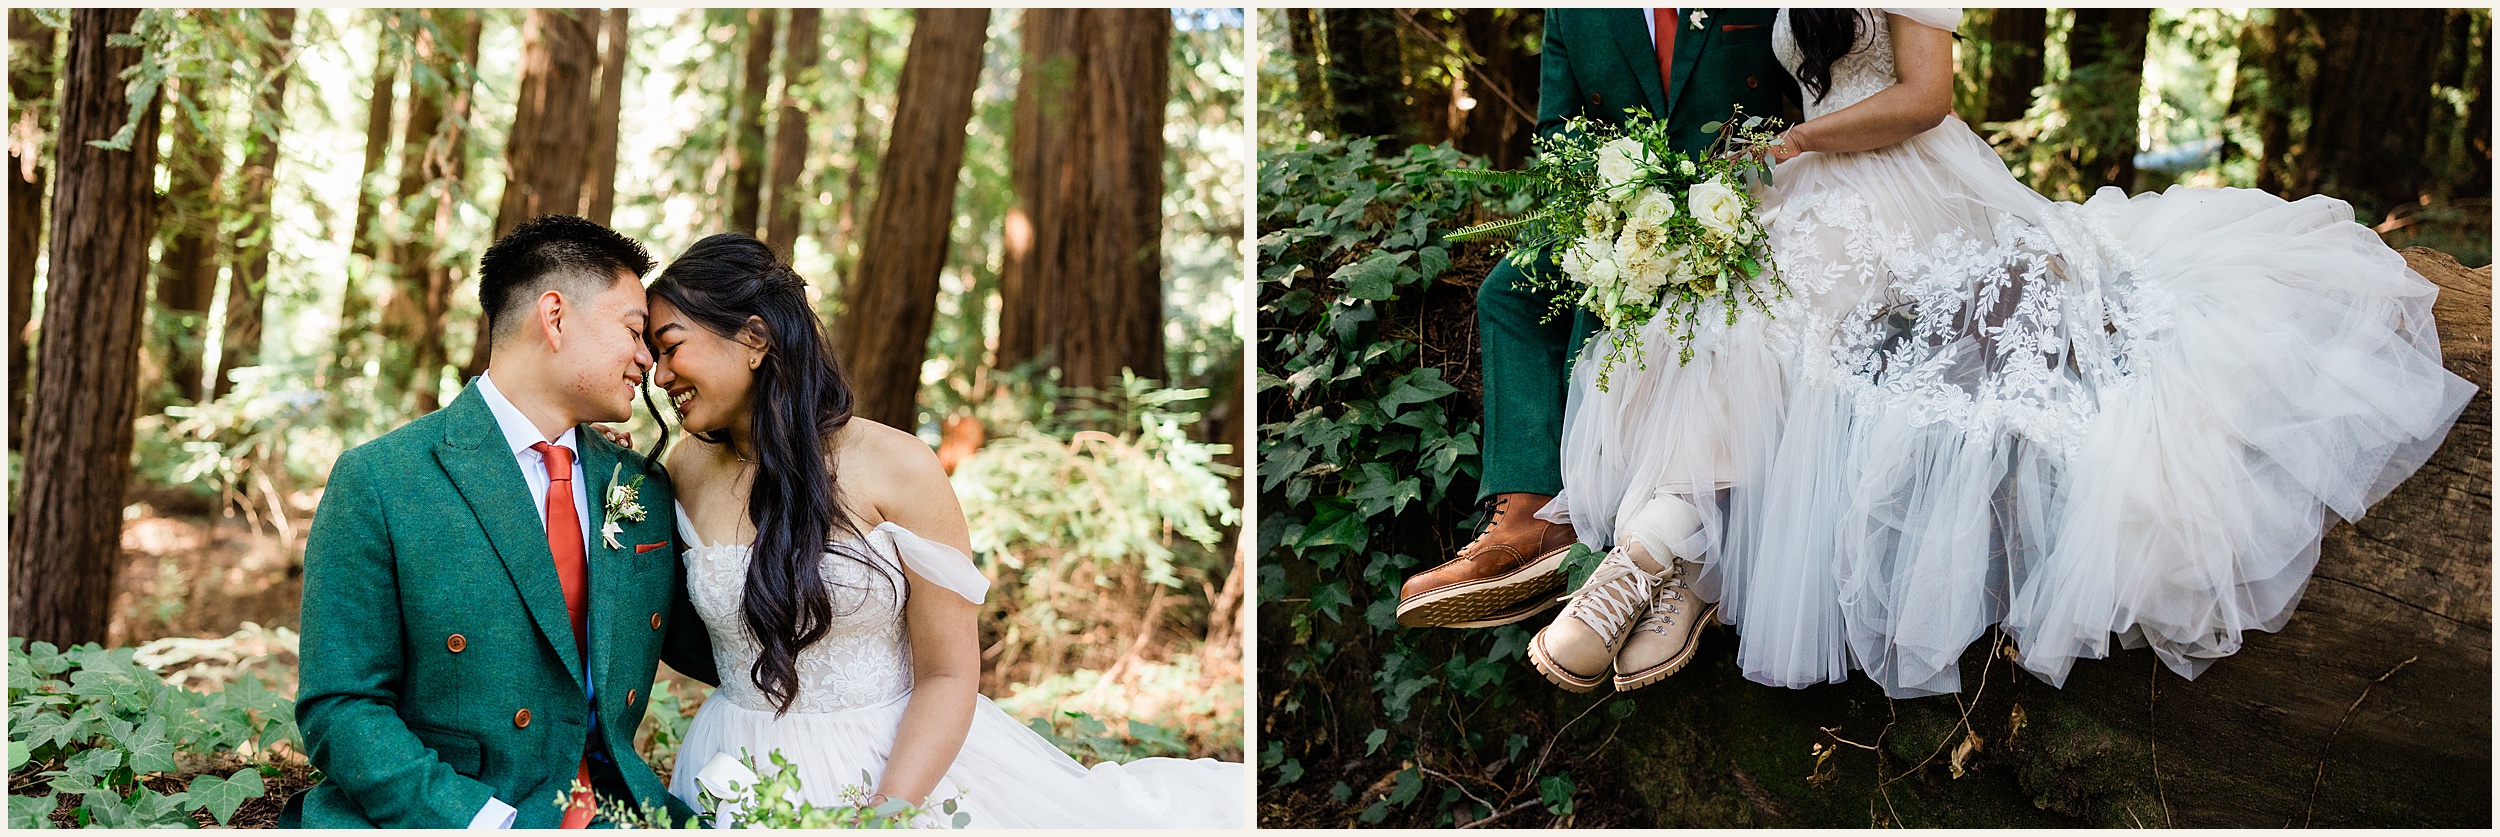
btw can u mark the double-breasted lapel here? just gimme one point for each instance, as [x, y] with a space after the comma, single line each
[1640, 53]
[1690, 42]
[473, 453]
[609, 580]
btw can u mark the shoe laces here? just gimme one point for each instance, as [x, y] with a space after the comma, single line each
[1615, 593]
[1492, 507]
[1667, 603]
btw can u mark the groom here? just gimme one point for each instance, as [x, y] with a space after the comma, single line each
[1693, 66]
[482, 616]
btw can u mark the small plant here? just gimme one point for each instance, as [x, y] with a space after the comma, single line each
[92, 723]
[776, 801]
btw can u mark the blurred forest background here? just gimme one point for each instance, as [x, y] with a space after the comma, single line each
[1369, 400]
[242, 241]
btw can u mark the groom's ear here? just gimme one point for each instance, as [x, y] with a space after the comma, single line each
[547, 317]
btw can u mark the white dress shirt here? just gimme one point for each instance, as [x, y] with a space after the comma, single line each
[520, 435]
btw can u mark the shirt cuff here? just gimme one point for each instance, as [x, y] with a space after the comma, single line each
[496, 814]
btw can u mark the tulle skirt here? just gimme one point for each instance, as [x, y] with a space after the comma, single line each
[2129, 419]
[1006, 776]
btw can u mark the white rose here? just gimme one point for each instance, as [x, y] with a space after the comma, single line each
[1718, 206]
[1655, 208]
[1620, 161]
[1586, 257]
[1685, 166]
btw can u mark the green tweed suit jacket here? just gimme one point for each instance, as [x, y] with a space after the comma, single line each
[439, 665]
[1599, 62]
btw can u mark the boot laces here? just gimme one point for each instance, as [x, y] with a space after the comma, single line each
[1492, 507]
[1663, 610]
[1615, 594]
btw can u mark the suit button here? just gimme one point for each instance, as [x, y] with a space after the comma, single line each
[521, 719]
[1597, 100]
[629, 696]
[655, 621]
[1751, 81]
[457, 643]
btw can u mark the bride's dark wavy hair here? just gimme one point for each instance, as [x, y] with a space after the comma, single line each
[801, 400]
[1823, 37]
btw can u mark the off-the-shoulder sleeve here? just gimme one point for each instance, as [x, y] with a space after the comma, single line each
[942, 565]
[1945, 19]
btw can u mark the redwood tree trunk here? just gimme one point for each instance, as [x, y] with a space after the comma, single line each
[1366, 71]
[2370, 108]
[2106, 50]
[862, 159]
[248, 285]
[186, 282]
[2265, 89]
[1310, 82]
[883, 333]
[65, 537]
[746, 119]
[31, 91]
[448, 169]
[599, 192]
[544, 157]
[364, 246]
[798, 72]
[1044, 79]
[2015, 38]
[1089, 296]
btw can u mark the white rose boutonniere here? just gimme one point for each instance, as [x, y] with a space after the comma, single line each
[1718, 206]
[624, 501]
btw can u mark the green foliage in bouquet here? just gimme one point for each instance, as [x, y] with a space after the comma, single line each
[777, 802]
[92, 723]
[1639, 228]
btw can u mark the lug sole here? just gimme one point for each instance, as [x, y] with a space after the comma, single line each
[1533, 606]
[1625, 682]
[1556, 674]
[1484, 598]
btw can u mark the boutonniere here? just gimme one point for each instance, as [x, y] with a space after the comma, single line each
[1698, 16]
[624, 500]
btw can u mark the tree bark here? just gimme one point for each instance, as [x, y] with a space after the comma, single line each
[1088, 296]
[186, 282]
[65, 535]
[599, 192]
[1310, 82]
[364, 244]
[884, 327]
[31, 91]
[1365, 73]
[2013, 69]
[248, 280]
[2370, 108]
[2459, 151]
[746, 119]
[544, 158]
[1502, 78]
[2265, 89]
[798, 73]
[2106, 51]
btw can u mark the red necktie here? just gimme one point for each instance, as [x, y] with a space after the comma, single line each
[1664, 21]
[564, 541]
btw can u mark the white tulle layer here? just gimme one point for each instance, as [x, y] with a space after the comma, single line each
[1006, 776]
[2129, 418]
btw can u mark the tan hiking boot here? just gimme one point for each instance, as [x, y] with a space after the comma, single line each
[1514, 561]
[1667, 635]
[1576, 649]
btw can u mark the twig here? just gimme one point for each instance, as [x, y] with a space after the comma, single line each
[1499, 90]
[1462, 788]
[2327, 751]
[1558, 734]
[2152, 737]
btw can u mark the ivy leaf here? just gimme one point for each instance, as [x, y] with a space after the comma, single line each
[91, 762]
[1335, 523]
[222, 796]
[1417, 387]
[32, 812]
[1371, 743]
[1555, 791]
[1410, 782]
[150, 752]
[18, 755]
[1376, 277]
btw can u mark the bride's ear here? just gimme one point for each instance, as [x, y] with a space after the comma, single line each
[758, 338]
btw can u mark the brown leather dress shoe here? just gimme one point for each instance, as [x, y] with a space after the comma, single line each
[1515, 561]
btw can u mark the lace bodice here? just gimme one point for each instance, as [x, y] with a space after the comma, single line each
[1862, 73]
[864, 658]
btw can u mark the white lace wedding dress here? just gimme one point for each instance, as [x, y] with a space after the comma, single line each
[2131, 417]
[853, 685]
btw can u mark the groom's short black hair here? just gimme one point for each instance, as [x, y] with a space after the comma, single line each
[545, 251]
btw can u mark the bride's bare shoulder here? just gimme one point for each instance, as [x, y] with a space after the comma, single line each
[863, 445]
[692, 461]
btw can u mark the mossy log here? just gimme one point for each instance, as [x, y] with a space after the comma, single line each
[2371, 708]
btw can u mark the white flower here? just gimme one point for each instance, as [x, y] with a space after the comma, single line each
[1719, 207]
[1621, 161]
[1685, 166]
[1600, 218]
[1698, 16]
[1590, 261]
[1654, 207]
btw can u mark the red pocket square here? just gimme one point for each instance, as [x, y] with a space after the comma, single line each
[1737, 27]
[642, 548]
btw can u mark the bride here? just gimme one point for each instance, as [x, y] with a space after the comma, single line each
[828, 558]
[2131, 417]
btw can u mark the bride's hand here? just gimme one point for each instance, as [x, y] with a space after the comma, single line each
[620, 437]
[1784, 149]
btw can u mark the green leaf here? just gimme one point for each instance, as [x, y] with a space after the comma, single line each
[1495, 229]
[31, 812]
[222, 796]
[1371, 743]
[1376, 277]
[1555, 791]
[95, 761]
[150, 752]
[18, 755]
[1410, 782]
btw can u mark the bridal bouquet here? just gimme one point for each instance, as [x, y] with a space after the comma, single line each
[1641, 228]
